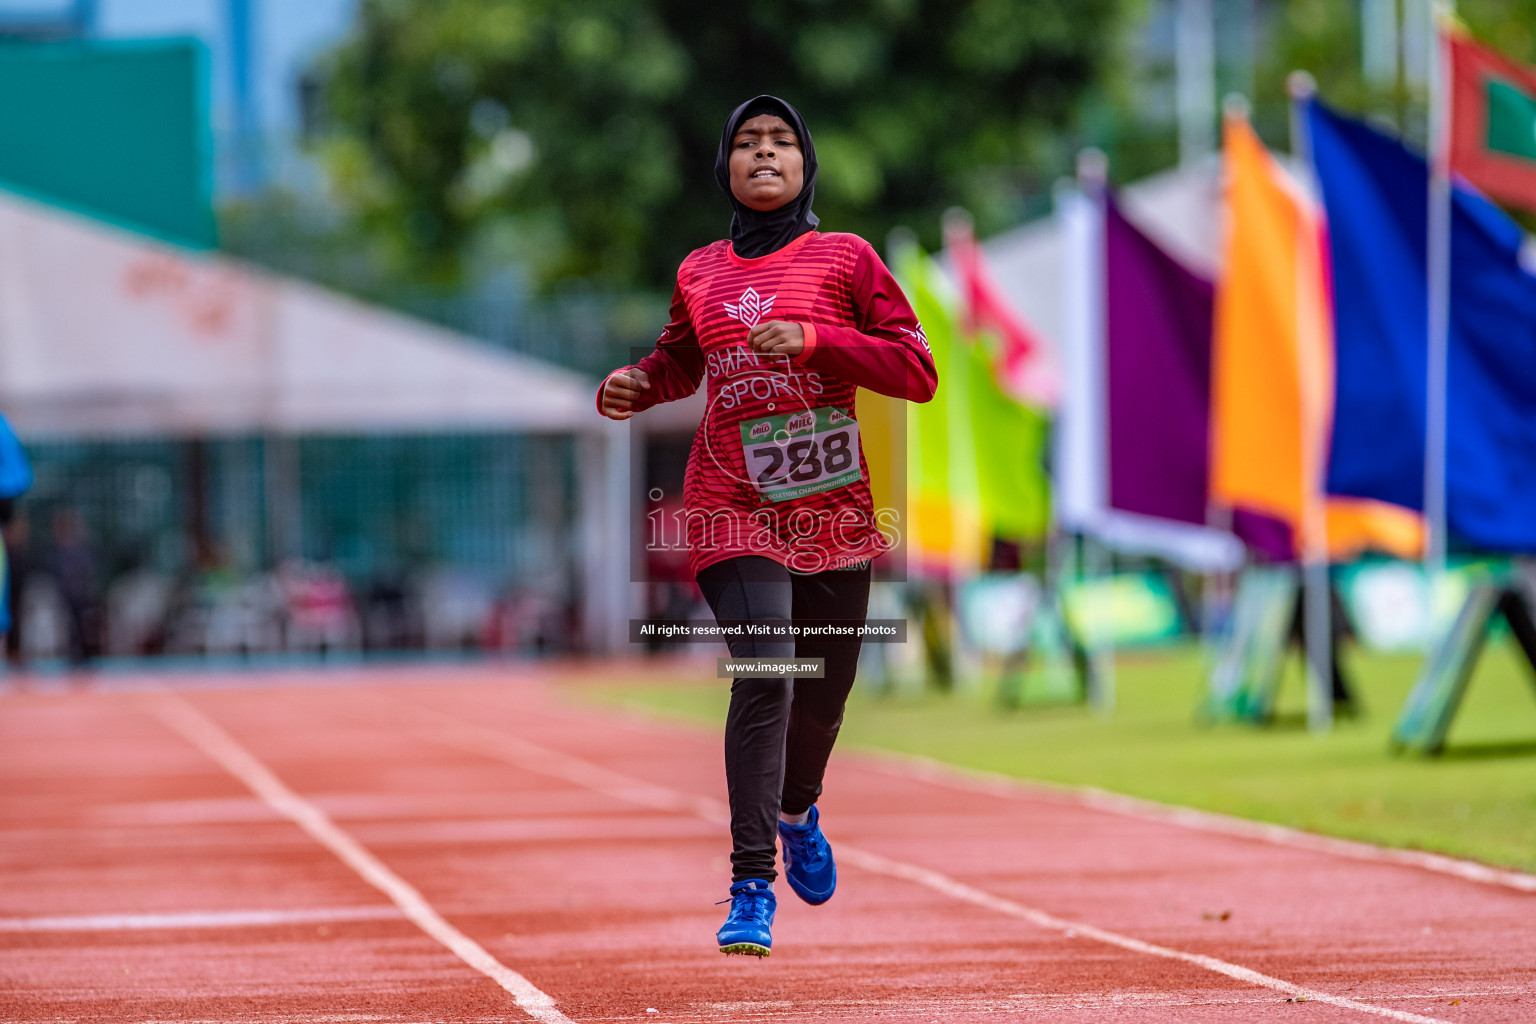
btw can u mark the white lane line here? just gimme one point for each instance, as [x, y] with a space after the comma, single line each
[535, 758]
[196, 919]
[977, 780]
[969, 894]
[532, 830]
[204, 734]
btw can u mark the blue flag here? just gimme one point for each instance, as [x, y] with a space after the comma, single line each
[1375, 192]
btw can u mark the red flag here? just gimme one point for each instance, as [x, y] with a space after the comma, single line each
[1493, 121]
[1024, 366]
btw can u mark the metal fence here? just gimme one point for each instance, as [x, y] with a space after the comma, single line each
[265, 544]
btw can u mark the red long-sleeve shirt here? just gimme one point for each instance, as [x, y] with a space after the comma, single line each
[772, 470]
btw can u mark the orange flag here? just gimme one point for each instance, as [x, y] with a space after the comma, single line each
[1272, 366]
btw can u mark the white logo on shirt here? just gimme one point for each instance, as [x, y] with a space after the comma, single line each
[750, 308]
[919, 335]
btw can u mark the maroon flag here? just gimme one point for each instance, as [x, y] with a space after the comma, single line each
[1023, 366]
[1493, 121]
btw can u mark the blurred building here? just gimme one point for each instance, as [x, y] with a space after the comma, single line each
[260, 465]
[447, 496]
[261, 55]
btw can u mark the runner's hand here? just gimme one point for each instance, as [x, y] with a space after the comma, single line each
[777, 337]
[622, 390]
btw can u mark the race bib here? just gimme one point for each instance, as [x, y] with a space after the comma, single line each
[801, 453]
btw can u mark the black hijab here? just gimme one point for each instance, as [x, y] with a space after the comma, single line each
[757, 233]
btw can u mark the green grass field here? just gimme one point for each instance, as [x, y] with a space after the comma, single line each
[1477, 800]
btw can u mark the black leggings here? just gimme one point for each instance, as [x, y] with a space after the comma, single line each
[778, 735]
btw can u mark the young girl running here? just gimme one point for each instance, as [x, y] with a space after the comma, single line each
[784, 323]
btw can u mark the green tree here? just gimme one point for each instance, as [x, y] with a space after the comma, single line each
[586, 132]
[1323, 37]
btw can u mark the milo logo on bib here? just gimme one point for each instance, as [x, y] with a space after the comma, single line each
[801, 422]
[797, 454]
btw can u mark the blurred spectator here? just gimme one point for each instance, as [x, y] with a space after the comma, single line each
[320, 612]
[528, 620]
[391, 621]
[15, 478]
[20, 566]
[455, 607]
[214, 610]
[671, 593]
[46, 631]
[138, 607]
[72, 564]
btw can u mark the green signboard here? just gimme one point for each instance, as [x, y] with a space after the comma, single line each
[116, 131]
[1130, 609]
[1245, 678]
[1020, 634]
[1397, 606]
[1431, 706]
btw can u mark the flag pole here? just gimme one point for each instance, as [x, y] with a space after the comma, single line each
[1097, 560]
[1312, 549]
[1068, 500]
[1438, 273]
[1195, 79]
[960, 469]
[912, 476]
[1217, 584]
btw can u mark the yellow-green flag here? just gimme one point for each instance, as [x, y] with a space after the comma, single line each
[974, 466]
[1010, 453]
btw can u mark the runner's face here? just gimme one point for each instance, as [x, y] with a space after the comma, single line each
[767, 166]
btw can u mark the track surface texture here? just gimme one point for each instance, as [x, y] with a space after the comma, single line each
[468, 844]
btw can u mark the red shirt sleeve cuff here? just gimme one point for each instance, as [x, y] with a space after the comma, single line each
[810, 341]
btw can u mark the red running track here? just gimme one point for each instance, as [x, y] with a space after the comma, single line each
[468, 845]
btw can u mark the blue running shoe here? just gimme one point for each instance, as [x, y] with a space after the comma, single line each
[808, 865]
[747, 926]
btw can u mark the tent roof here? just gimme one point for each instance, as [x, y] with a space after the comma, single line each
[106, 333]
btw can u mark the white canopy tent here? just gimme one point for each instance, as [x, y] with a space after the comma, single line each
[107, 334]
[103, 332]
